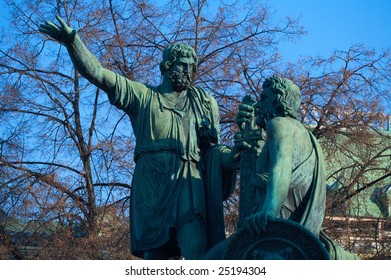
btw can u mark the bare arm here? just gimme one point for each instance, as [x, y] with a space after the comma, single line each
[280, 165]
[279, 147]
[83, 60]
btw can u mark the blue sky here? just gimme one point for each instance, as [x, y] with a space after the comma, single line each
[331, 25]
[336, 25]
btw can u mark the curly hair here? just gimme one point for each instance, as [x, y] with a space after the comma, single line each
[173, 52]
[288, 95]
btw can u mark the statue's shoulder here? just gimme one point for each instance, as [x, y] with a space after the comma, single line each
[279, 122]
[203, 96]
[285, 121]
[200, 92]
[280, 127]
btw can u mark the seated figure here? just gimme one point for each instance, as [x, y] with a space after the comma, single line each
[289, 180]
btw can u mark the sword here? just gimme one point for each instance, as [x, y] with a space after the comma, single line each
[252, 135]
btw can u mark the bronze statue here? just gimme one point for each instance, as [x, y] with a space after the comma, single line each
[175, 208]
[289, 175]
[289, 189]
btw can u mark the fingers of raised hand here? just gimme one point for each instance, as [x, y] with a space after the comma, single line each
[62, 33]
[62, 22]
[49, 28]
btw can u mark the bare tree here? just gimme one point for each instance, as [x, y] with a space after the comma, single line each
[346, 101]
[63, 165]
[71, 153]
[66, 155]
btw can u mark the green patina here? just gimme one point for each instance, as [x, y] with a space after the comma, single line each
[175, 210]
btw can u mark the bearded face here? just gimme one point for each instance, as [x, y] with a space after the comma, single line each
[181, 73]
[180, 81]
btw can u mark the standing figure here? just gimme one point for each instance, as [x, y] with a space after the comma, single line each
[182, 173]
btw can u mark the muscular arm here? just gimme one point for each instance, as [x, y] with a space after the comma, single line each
[83, 60]
[280, 145]
[89, 66]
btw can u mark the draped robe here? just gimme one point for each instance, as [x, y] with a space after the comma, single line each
[177, 142]
[306, 199]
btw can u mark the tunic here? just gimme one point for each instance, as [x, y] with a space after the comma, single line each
[168, 187]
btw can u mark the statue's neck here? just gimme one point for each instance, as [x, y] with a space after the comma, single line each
[166, 88]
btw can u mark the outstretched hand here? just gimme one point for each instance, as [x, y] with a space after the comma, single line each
[62, 33]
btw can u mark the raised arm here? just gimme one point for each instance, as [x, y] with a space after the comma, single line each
[83, 60]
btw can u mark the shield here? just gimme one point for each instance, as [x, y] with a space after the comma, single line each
[283, 240]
